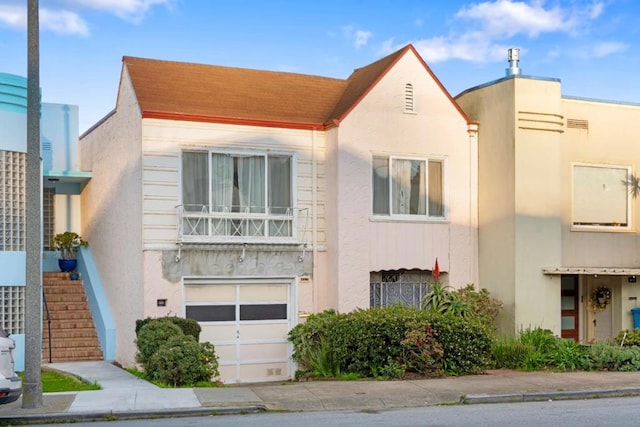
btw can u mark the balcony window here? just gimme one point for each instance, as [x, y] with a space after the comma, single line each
[237, 195]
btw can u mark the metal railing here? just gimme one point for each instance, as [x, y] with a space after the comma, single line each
[46, 309]
[201, 224]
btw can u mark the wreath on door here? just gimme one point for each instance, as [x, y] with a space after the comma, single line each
[600, 298]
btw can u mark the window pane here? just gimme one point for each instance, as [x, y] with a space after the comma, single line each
[408, 191]
[249, 186]
[568, 322]
[600, 196]
[221, 182]
[279, 184]
[380, 172]
[195, 181]
[436, 205]
[211, 313]
[568, 303]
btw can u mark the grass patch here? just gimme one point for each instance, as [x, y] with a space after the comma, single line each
[55, 381]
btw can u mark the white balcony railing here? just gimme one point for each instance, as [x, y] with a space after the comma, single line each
[201, 224]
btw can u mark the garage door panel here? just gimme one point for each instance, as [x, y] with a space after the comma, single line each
[227, 371]
[210, 293]
[218, 333]
[264, 372]
[226, 353]
[264, 331]
[258, 352]
[264, 293]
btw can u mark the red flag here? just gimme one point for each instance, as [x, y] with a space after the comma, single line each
[436, 270]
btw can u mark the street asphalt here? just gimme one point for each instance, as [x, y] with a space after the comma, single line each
[124, 396]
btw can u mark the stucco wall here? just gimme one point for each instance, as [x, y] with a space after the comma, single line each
[379, 125]
[112, 213]
[492, 106]
[609, 140]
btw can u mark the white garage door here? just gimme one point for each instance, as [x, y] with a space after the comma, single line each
[248, 323]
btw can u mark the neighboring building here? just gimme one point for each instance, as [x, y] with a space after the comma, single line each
[557, 219]
[248, 199]
[62, 184]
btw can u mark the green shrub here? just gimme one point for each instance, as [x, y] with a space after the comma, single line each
[420, 350]
[631, 339]
[466, 345]
[151, 337]
[540, 339]
[188, 326]
[364, 342]
[509, 353]
[181, 360]
[568, 355]
[482, 306]
[607, 357]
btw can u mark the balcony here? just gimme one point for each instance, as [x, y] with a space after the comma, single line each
[201, 224]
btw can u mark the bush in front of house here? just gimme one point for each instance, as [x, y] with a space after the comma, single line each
[387, 342]
[170, 356]
[188, 326]
[151, 336]
[183, 361]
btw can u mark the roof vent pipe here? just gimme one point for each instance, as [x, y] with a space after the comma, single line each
[514, 58]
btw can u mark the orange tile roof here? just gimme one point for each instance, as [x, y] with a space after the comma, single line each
[188, 91]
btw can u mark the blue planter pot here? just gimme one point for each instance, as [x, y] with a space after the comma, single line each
[67, 265]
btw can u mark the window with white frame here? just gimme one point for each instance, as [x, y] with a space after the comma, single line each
[600, 196]
[236, 194]
[409, 188]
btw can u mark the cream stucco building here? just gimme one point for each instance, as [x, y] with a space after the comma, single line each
[557, 218]
[249, 199]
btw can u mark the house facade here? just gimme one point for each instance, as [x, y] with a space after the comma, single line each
[557, 216]
[61, 186]
[249, 199]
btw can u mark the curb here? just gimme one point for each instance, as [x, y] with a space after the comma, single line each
[131, 415]
[557, 395]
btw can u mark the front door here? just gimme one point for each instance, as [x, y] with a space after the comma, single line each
[600, 322]
[570, 308]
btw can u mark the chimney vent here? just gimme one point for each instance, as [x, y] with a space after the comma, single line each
[514, 58]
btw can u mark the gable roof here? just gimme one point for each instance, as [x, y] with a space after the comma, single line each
[211, 93]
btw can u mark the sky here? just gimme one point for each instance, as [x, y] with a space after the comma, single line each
[592, 46]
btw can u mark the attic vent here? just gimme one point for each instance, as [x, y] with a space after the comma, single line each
[578, 124]
[409, 106]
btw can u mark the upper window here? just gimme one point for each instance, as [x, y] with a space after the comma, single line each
[410, 188]
[226, 194]
[600, 196]
[409, 103]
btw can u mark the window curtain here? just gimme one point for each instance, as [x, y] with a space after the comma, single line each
[380, 182]
[279, 184]
[436, 202]
[408, 188]
[195, 181]
[221, 182]
[251, 184]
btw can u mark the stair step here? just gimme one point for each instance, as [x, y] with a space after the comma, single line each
[67, 343]
[80, 333]
[60, 297]
[70, 354]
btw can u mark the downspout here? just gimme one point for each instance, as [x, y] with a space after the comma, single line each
[472, 129]
[314, 218]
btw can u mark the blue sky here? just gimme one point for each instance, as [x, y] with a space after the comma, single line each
[593, 46]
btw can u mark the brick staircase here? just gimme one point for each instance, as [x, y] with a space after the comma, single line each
[73, 332]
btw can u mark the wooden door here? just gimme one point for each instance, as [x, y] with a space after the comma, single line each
[570, 308]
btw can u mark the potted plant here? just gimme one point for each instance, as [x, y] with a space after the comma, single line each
[67, 244]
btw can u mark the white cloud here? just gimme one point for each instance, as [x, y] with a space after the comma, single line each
[13, 16]
[57, 21]
[362, 38]
[507, 18]
[602, 49]
[488, 26]
[63, 22]
[358, 37]
[131, 10]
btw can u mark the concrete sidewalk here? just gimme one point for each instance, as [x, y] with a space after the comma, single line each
[125, 396]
